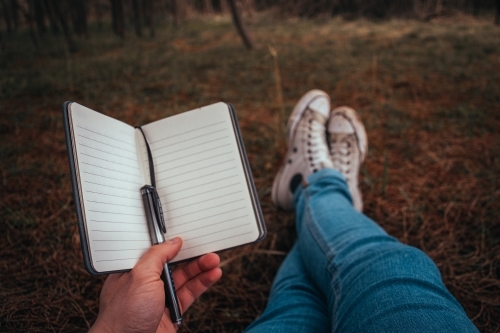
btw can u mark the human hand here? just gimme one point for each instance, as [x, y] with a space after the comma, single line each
[135, 301]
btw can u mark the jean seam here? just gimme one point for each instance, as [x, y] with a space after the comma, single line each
[328, 252]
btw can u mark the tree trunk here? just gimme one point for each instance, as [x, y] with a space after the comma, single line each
[6, 14]
[147, 5]
[54, 26]
[238, 23]
[14, 7]
[56, 5]
[177, 11]
[137, 17]
[79, 17]
[39, 16]
[476, 4]
[28, 16]
[223, 6]
[2, 46]
[98, 14]
[207, 7]
[497, 16]
[118, 18]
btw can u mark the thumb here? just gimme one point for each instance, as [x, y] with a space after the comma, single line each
[156, 257]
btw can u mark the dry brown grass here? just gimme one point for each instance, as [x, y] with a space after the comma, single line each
[428, 93]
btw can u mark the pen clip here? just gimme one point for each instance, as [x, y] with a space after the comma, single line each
[158, 210]
[154, 211]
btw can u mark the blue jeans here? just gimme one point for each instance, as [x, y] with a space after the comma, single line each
[346, 274]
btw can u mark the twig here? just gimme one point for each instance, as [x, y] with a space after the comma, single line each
[59, 212]
[410, 203]
[279, 96]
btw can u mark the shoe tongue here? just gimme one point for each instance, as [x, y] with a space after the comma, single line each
[321, 105]
[339, 124]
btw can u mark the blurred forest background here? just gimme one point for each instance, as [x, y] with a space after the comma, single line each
[71, 17]
[423, 74]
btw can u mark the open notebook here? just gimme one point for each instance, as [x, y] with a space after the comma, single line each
[202, 177]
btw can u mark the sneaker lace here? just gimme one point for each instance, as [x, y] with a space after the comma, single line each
[340, 151]
[317, 149]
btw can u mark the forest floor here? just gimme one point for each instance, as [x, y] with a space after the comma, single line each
[428, 93]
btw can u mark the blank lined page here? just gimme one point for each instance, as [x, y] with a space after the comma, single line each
[110, 179]
[201, 181]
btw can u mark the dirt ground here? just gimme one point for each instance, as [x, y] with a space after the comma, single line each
[428, 92]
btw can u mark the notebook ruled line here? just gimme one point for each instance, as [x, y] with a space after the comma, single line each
[100, 167]
[103, 212]
[219, 240]
[198, 153]
[203, 218]
[120, 222]
[119, 250]
[107, 152]
[114, 195]
[199, 185]
[121, 231]
[201, 193]
[119, 259]
[113, 204]
[186, 132]
[122, 180]
[106, 136]
[201, 210]
[209, 225]
[202, 201]
[205, 167]
[198, 161]
[122, 240]
[106, 144]
[102, 159]
[193, 146]
[120, 188]
[213, 233]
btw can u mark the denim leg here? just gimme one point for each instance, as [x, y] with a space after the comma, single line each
[295, 304]
[372, 282]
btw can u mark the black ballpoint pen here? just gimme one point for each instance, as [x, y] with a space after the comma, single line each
[156, 225]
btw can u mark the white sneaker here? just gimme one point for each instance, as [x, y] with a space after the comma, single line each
[307, 146]
[348, 146]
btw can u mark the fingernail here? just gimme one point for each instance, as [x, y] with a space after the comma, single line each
[175, 240]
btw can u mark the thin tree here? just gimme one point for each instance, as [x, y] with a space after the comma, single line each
[207, 7]
[497, 15]
[148, 11]
[39, 15]
[14, 10]
[79, 15]
[61, 16]
[98, 14]
[177, 11]
[118, 18]
[136, 11]
[49, 10]
[476, 5]
[6, 14]
[28, 16]
[240, 27]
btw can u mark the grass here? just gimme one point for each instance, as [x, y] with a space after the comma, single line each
[428, 94]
